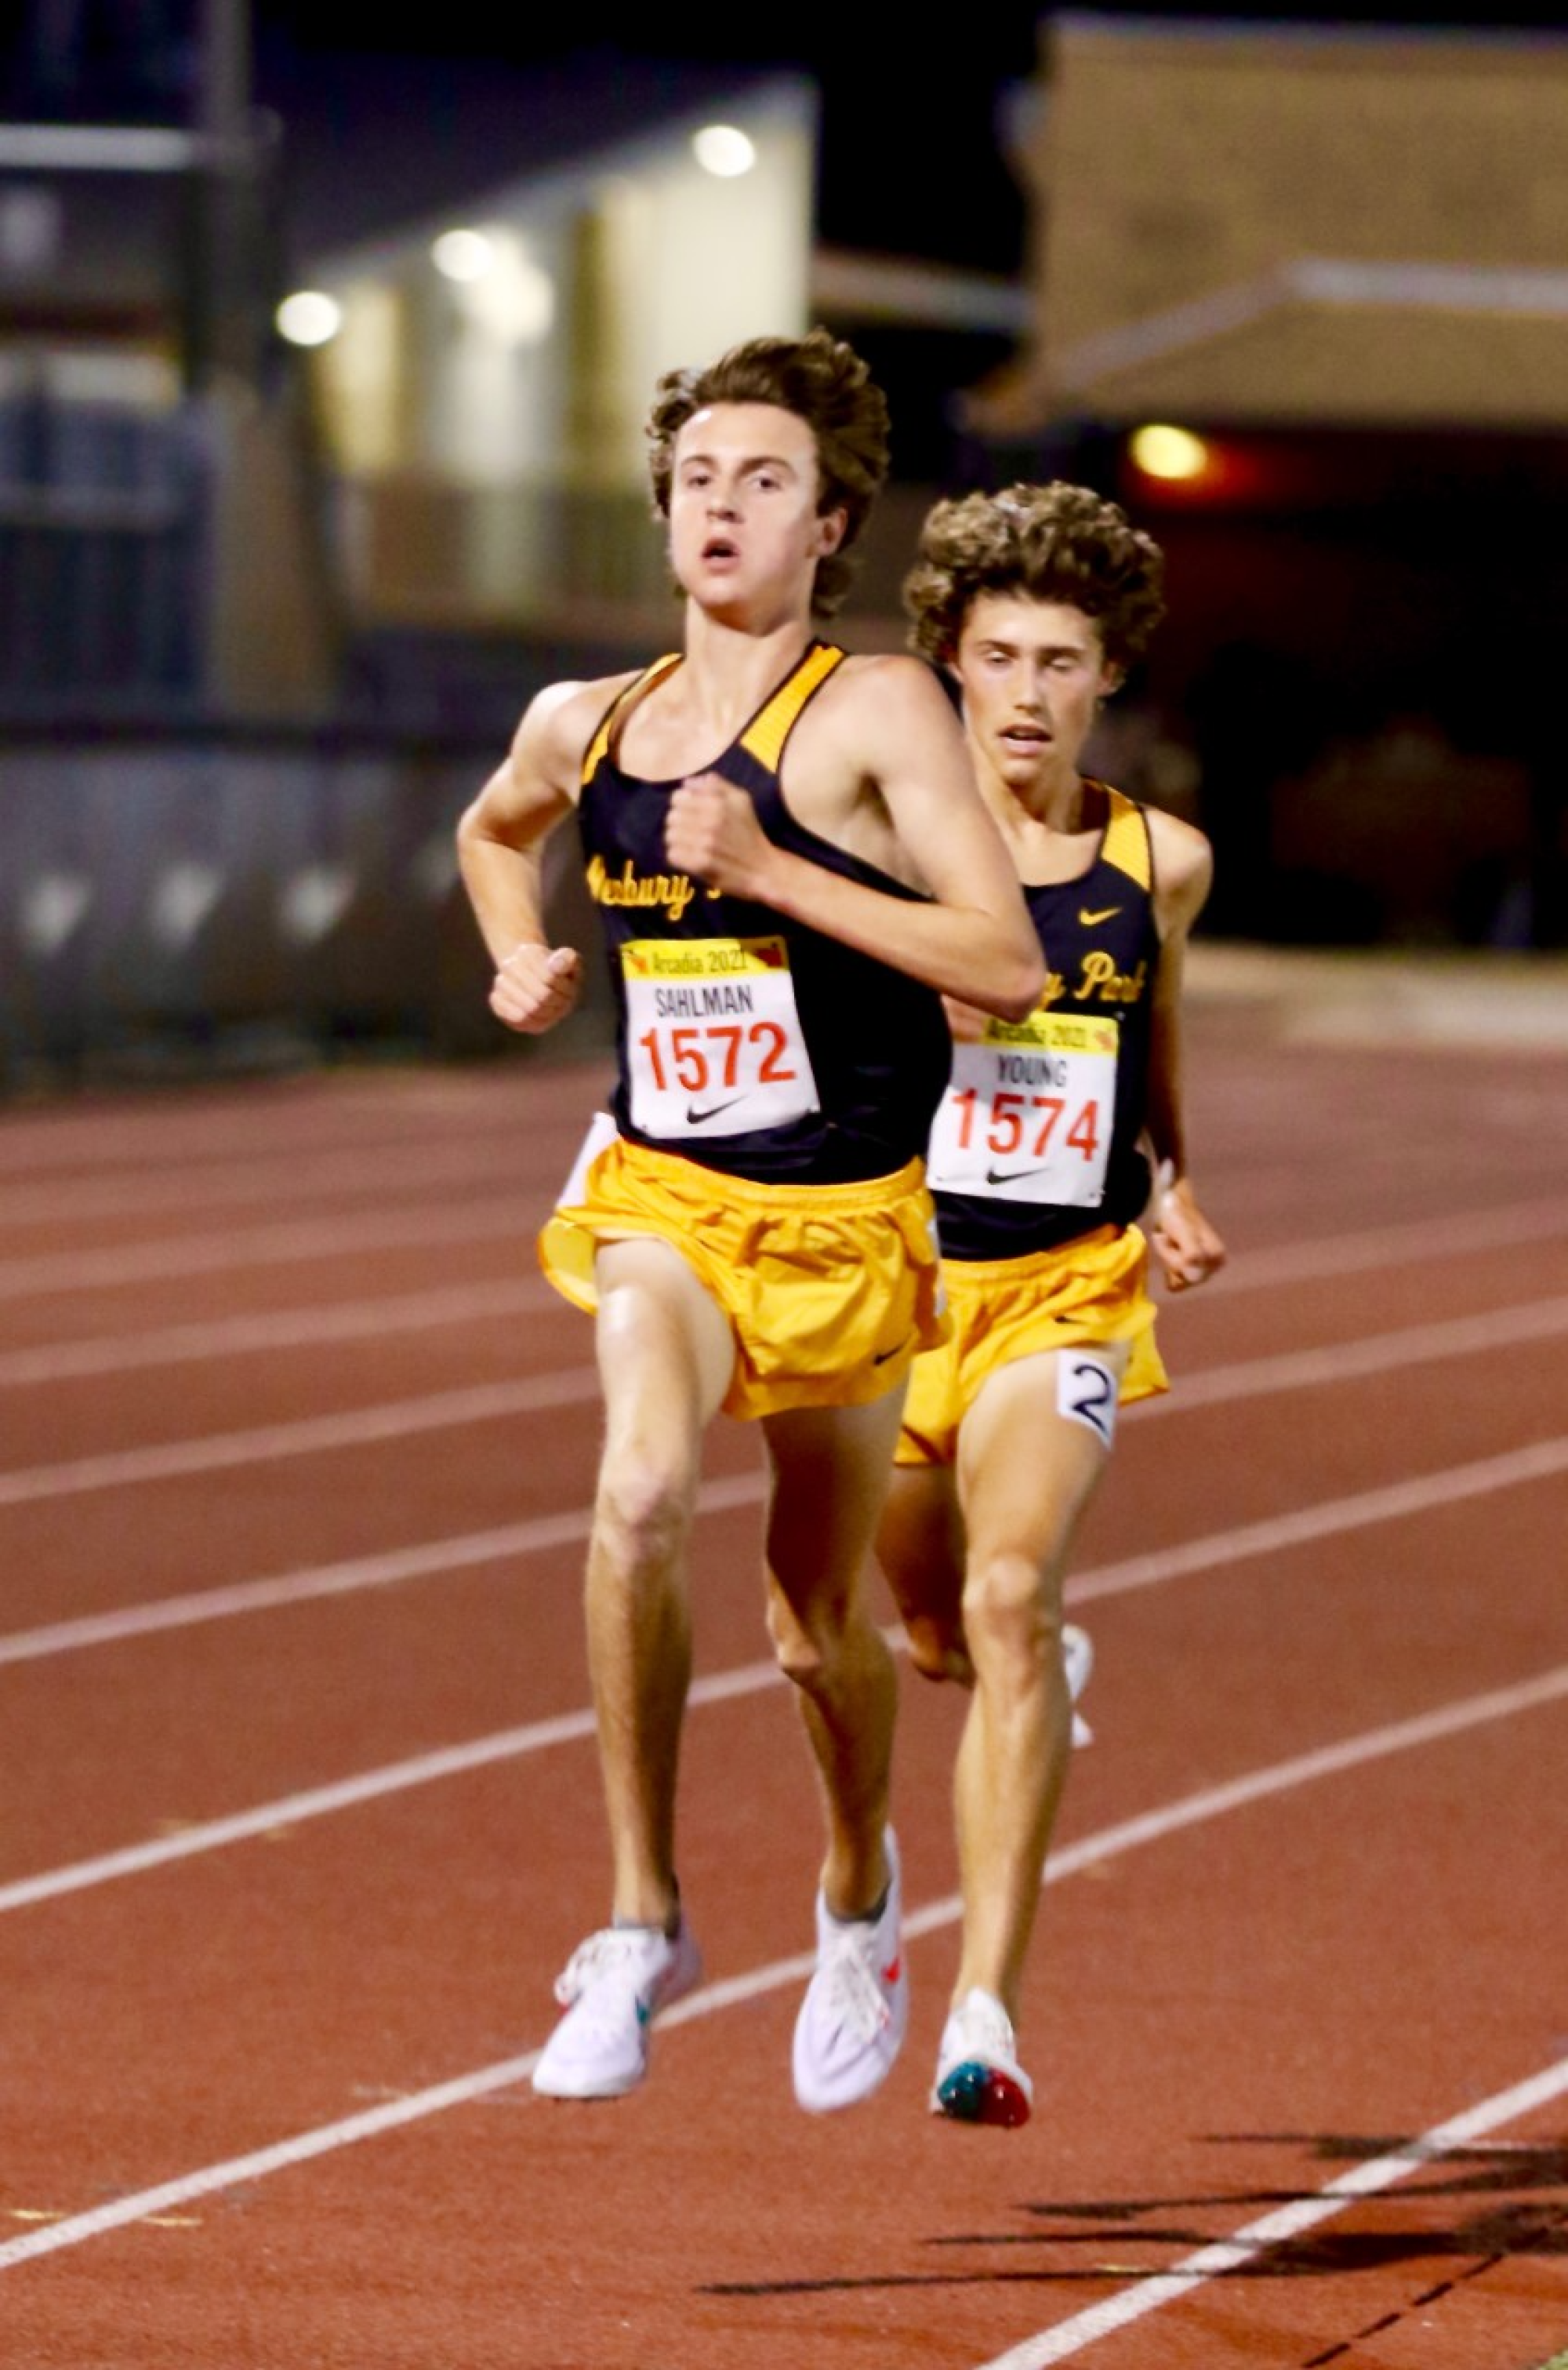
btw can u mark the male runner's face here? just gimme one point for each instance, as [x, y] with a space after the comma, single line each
[743, 518]
[1031, 674]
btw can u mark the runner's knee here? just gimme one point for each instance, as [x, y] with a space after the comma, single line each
[810, 1642]
[641, 1513]
[1007, 1612]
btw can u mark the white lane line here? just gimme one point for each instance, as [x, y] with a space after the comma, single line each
[135, 1138]
[1254, 2239]
[1453, 1235]
[1540, 1461]
[291, 1240]
[350, 1793]
[392, 1420]
[518, 1214]
[1396, 1502]
[283, 1329]
[455, 1305]
[1281, 1776]
[1355, 1360]
[420, 1770]
[344, 1579]
[266, 1177]
[1292, 1370]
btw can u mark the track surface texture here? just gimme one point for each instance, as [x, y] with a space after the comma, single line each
[296, 1453]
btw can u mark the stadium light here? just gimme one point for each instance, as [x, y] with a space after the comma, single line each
[721, 149]
[309, 317]
[463, 255]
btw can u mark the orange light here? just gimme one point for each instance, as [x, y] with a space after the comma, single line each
[1173, 454]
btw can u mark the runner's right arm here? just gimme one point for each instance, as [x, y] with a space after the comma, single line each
[500, 848]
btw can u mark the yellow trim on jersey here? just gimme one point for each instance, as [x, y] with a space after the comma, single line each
[1126, 843]
[645, 681]
[765, 738]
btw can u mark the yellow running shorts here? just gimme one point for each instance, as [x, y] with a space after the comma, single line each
[829, 1289]
[1092, 1290]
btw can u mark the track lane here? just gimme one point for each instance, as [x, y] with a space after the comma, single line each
[736, 2261]
[468, 2248]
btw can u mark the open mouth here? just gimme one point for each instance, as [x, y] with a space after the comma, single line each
[719, 546]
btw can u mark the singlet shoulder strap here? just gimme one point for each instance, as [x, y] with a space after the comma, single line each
[594, 753]
[1126, 844]
[765, 736]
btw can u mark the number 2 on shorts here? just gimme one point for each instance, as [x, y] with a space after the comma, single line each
[1086, 1393]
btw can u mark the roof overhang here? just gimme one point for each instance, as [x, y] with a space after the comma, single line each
[1316, 340]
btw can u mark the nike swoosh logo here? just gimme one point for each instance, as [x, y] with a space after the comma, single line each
[881, 1357]
[695, 1117]
[1101, 914]
[1009, 1176]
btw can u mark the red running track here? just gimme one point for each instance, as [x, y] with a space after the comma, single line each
[302, 1812]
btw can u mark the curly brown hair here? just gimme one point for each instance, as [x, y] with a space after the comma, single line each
[826, 384]
[1054, 542]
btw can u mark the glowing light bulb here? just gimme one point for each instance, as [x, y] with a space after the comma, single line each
[463, 255]
[309, 317]
[721, 149]
[1160, 451]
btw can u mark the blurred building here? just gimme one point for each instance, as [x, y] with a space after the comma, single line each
[483, 363]
[321, 403]
[492, 327]
[320, 448]
[1299, 294]
[1320, 225]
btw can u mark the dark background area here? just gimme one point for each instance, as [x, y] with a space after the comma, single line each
[912, 164]
[1355, 691]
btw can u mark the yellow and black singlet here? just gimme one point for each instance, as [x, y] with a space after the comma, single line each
[1037, 1137]
[745, 1041]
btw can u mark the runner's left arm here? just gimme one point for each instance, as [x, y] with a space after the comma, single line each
[891, 726]
[1187, 1247]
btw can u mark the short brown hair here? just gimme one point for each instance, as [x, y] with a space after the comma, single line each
[826, 384]
[1054, 542]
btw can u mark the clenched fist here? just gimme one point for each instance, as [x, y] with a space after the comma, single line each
[536, 986]
[712, 832]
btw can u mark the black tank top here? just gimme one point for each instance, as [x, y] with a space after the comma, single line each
[1100, 941]
[746, 1042]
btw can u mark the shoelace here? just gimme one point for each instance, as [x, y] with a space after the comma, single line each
[849, 1975]
[615, 1950]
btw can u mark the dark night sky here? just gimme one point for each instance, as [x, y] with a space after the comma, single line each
[894, 135]
[909, 154]
[910, 157]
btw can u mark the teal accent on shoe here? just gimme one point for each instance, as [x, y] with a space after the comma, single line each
[973, 2093]
[963, 2094]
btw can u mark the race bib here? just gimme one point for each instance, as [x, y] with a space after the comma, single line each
[714, 1040]
[1027, 1114]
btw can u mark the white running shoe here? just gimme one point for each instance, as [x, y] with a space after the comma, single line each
[978, 2078]
[851, 2021]
[613, 1985]
[1078, 1655]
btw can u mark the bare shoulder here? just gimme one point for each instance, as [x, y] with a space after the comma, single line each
[889, 683]
[1183, 868]
[559, 722]
[889, 717]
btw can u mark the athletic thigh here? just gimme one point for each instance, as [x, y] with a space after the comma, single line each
[1031, 1448]
[665, 1348]
[830, 1469]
